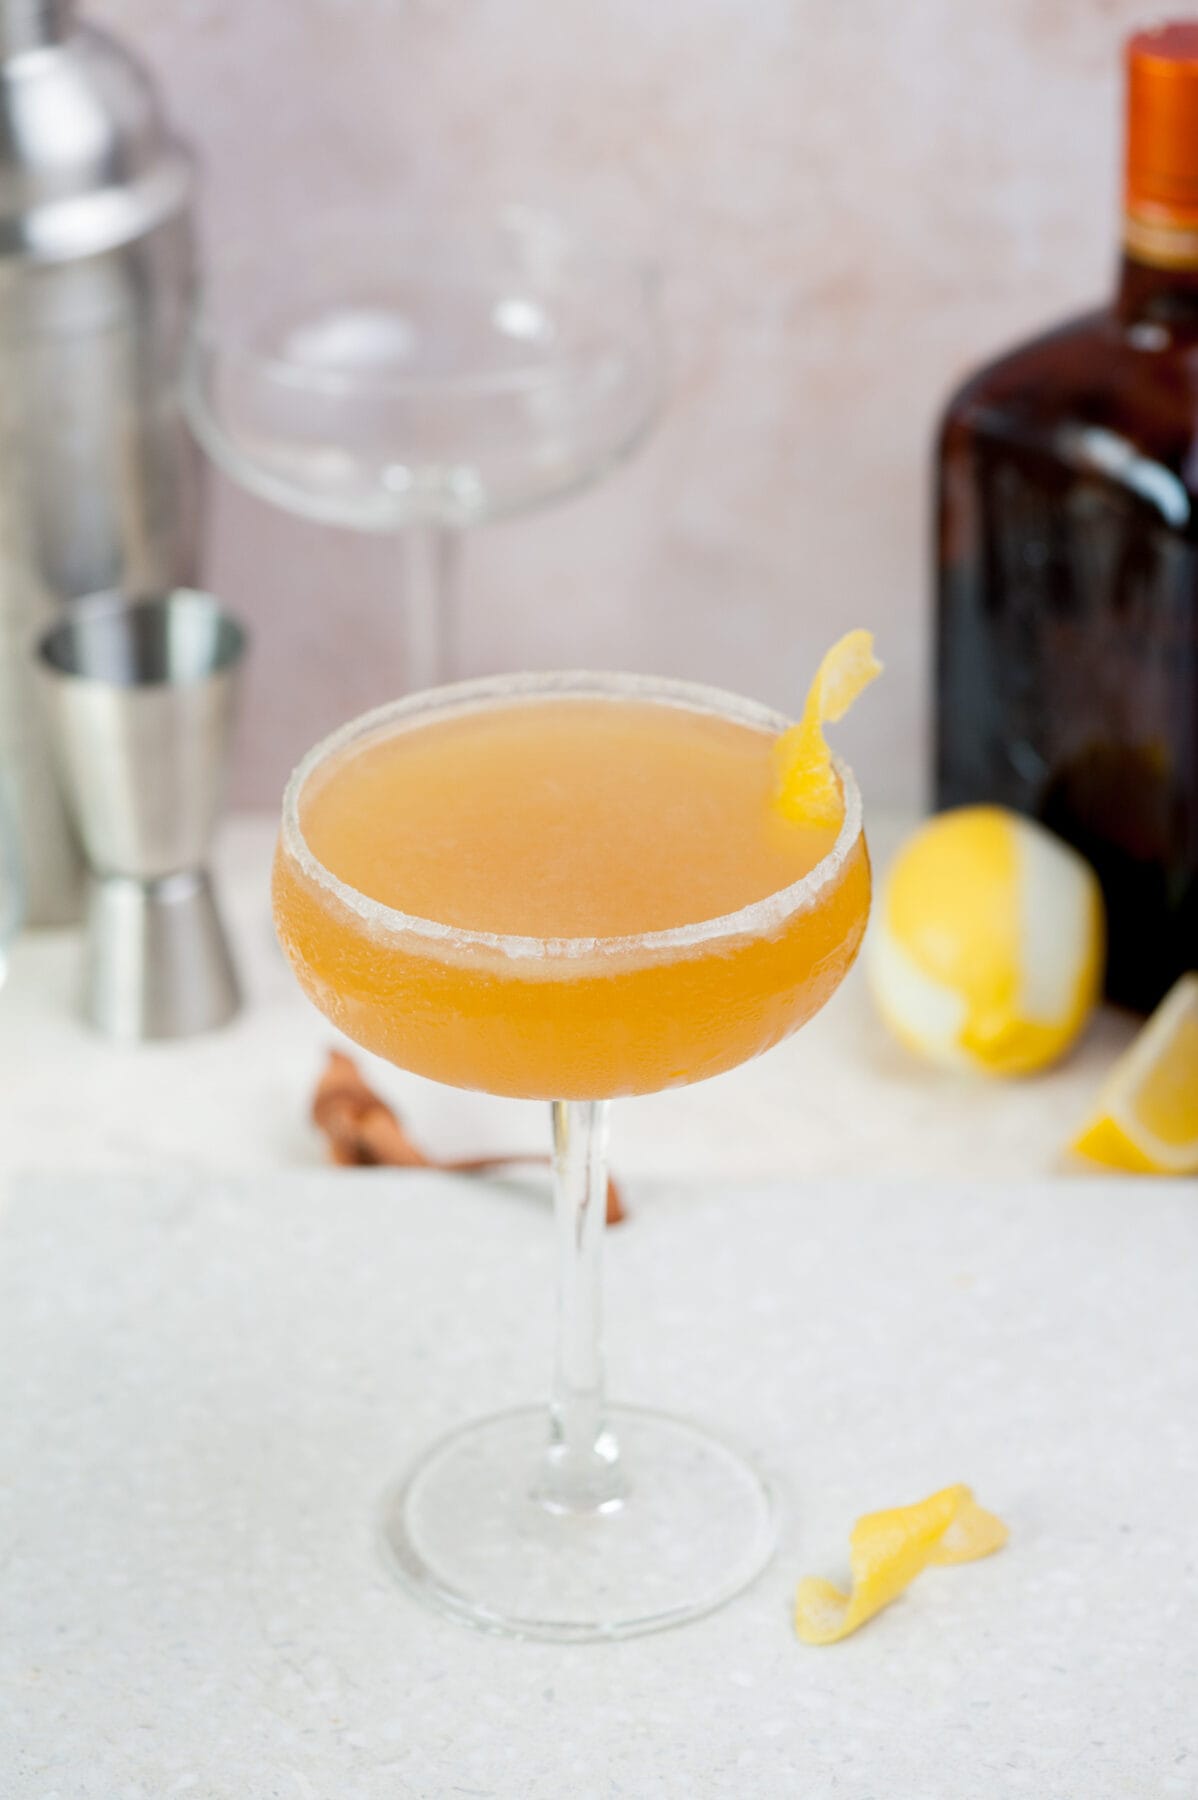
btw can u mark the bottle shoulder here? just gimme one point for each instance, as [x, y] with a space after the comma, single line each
[1037, 361]
[1095, 394]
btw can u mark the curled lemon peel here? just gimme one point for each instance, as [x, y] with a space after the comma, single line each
[887, 1550]
[806, 785]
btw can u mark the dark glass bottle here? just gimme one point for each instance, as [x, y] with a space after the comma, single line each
[1067, 559]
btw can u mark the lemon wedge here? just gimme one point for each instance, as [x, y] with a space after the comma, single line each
[806, 785]
[1147, 1117]
[887, 1550]
[987, 944]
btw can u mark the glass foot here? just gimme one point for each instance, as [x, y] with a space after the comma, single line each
[465, 1530]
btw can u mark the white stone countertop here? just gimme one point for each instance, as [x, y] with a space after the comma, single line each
[206, 1383]
[840, 1097]
[214, 1353]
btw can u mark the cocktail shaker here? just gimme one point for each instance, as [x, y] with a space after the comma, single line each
[99, 481]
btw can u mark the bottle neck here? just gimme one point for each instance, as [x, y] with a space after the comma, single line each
[33, 24]
[1158, 276]
[1159, 282]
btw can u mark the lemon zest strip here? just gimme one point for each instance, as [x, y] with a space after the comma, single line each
[887, 1550]
[806, 785]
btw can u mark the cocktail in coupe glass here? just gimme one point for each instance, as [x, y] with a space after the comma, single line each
[569, 887]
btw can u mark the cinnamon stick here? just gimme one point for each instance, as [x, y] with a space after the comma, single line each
[362, 1131]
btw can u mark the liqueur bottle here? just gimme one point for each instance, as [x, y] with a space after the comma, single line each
[1067, 557]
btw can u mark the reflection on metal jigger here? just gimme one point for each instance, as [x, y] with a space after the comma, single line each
[141, 695]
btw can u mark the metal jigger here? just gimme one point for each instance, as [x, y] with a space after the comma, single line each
[140, 694]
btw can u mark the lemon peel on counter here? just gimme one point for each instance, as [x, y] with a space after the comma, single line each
[1146, 1120]
[806, 786]
[887, 1550]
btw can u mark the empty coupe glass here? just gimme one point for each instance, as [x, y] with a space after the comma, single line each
[423, 378]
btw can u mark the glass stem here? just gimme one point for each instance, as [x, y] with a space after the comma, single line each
[581, 1468]
[430, 597]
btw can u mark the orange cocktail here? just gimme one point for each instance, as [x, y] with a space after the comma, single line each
[576, 887]
[564, 896]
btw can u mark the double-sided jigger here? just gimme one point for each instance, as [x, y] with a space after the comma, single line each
[141, 695]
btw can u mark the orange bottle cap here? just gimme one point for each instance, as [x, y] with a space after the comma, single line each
[1162, 124]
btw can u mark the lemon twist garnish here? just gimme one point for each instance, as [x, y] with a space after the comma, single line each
[887, 1550]
[1147, 1114]
[807, 789]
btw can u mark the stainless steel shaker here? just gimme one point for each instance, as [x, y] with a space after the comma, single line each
[99, 480]
[141, 697]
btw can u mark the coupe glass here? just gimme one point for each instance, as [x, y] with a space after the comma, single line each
[590, 1520]
[421, 379]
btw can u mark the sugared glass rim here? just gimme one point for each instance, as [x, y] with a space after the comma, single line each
[758, 919]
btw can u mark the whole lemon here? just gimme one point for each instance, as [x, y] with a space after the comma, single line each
[987, 944]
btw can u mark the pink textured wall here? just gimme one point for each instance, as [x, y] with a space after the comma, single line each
[852, 202]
